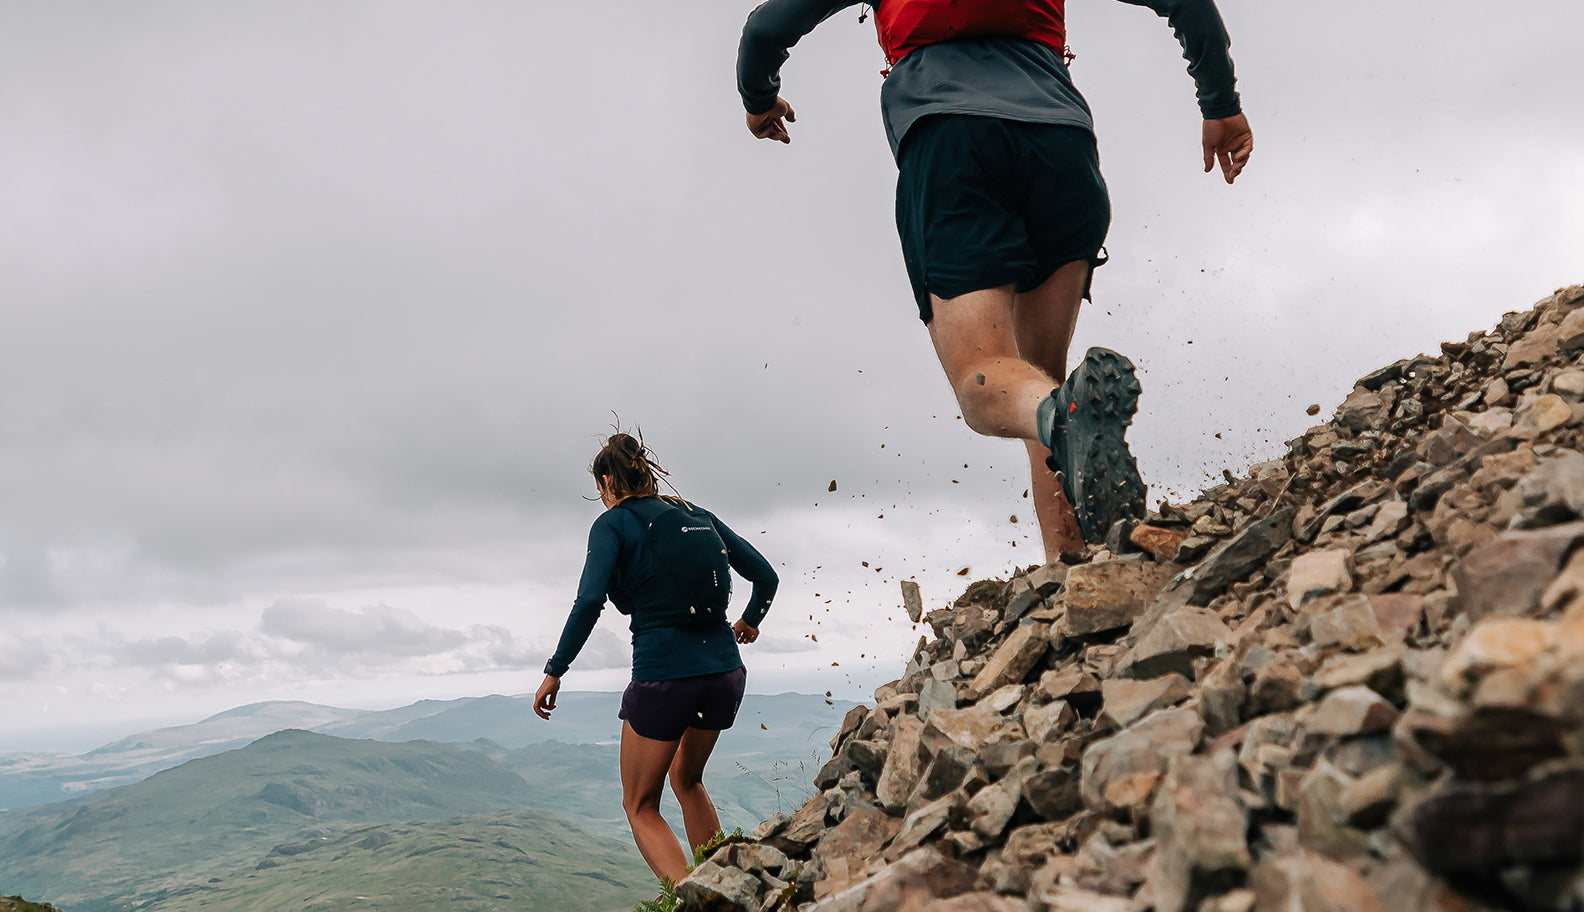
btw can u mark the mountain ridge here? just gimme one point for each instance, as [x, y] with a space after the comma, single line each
[1351, 680]
[31, 779]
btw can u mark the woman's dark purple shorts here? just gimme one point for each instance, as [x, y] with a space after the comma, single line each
[664, 710]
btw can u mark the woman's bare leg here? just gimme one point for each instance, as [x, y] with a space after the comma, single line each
[687, 781]
[644, 762]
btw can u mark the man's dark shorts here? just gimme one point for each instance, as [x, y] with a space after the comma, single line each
[664, 710]
[984, 202]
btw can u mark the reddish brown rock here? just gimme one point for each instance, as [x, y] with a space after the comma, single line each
[1309, 882]
[1159, 542]
[1109, 595]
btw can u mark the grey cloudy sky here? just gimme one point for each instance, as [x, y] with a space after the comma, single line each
[313, 315]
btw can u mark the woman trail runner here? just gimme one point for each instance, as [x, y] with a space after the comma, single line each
[665, 562]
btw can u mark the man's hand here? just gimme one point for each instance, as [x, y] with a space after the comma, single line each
[545, 699]
[1228, 141]
[772, 125]
[744, 633]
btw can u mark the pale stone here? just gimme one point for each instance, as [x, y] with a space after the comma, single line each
[1198, 825]
[1350, 624]
[850, 851]
[1127, 700]
[991, 808]
[1318, 573]
[1173, 642]
[1570, 334]
[1492, 644]
[1043, 722]
[925, 822]
[1361, 410]
[1390, 519]
[1353, 710]
[970, 726]
[976, 902]
[1319, 809]
[919, 876]
[1569, 384]
[1534, 347]
[1069, 683]
[903, 764]
[1054, 896]
[1379, 669]
[711, 886]
[1015, 658]
[935, 696]
[1546, 413]
[1120, 772]
[1492, 422]
[1004, 698]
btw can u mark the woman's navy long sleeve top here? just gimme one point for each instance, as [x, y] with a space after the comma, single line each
[617, 551]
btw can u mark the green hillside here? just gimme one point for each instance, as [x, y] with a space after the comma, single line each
[208, 818]
[508, 860]
[580, 783]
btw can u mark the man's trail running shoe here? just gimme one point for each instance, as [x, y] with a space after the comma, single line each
[1084, 422]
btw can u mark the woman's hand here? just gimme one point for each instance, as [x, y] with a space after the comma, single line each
[744, 633]
[544, 700]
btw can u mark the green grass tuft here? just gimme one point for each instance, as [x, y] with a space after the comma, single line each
[714, 842]
[665, 902]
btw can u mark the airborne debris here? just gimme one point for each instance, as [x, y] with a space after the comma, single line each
[832, 485]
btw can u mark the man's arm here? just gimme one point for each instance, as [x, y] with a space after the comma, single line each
[770, 32]
[1226, 138]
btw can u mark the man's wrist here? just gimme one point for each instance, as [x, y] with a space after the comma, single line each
[551, 670]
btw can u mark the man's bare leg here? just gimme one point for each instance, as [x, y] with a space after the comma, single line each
[1002, 353]
[1043, 323]
[996, 389]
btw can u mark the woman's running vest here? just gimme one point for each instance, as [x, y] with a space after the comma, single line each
[905, 25]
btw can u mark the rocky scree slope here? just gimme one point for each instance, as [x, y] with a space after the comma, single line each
[1351, 680]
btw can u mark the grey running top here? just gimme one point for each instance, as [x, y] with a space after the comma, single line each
[1011, 78]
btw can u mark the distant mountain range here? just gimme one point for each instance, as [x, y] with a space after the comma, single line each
[213, 827]
[248, 809]
[795, 726]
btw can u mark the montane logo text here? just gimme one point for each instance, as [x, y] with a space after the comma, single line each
[695, 528]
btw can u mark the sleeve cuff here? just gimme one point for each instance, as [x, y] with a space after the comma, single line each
[553, 671]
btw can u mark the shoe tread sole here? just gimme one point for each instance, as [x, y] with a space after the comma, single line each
[1102, 478]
